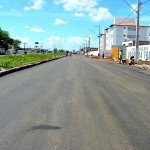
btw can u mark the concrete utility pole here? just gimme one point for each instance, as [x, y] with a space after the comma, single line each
[86, 47]
[137, 30]
[24, 47]
[89, 43]
[99, 39]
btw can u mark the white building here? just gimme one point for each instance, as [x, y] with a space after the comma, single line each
[102, 43]
[125, 30]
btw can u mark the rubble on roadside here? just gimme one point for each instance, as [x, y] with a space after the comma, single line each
[143, 66]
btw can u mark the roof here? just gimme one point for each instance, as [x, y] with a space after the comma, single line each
[128, 24]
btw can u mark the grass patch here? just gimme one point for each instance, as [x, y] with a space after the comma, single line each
[11, 61]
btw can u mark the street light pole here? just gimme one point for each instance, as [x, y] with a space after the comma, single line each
[98, 39]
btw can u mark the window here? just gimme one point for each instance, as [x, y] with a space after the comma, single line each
[130, 36]
[130, 44]
[131, 28]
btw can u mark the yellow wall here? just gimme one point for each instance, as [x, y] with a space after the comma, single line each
[115, 52]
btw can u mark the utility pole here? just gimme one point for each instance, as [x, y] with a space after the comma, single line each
[98, 39]
[137, 30]
[89, 43]
[24, 47]
[86, 47]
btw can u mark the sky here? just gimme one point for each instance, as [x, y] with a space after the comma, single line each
[65, 24]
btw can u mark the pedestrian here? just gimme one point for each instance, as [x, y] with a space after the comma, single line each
[103, 55]
[131, 61]
[120, 59]
[70, 54]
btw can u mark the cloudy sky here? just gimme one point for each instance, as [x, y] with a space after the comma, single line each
[64, 24]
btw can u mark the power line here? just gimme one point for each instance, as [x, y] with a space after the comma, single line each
[115, 6]
[145, 13]
[145, 2]
[127, 17]
[124, 20]
[129, 5]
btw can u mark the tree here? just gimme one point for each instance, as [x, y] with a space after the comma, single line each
[4, 36]
[55, 50]
[5, 40]
[16, 43]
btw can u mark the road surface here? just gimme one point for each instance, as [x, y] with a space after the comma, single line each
[75, 103]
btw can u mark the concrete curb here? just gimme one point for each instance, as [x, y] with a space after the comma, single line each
[5, 72]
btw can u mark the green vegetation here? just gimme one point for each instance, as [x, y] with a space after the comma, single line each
[11, 61]
[6, 40]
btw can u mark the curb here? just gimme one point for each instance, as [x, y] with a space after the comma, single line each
[5, 72]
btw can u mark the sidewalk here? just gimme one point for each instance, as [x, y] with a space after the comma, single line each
[145, 65]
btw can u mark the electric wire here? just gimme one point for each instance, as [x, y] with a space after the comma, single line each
[124, 20]
[115, 10]
[129, 5]
[145, 2]
[145, 13]
[134, 10]
[115, 6]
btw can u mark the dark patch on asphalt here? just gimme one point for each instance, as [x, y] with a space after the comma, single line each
[45, 127]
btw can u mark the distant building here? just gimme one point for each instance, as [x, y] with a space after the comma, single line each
[93, 51]
[124, 30]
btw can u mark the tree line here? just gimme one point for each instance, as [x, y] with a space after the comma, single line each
[6, 41]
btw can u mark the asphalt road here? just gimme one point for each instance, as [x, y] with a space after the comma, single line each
[75, 103]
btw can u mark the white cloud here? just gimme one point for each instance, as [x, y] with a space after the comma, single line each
[134, 6]
[78, 5]
[59, 21]
[23, 39]
[100, 14]
[37, 5]
[36, 29]
[68, 43]
[82, 7]
[52, 39]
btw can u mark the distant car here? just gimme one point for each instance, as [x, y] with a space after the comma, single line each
[2, 51]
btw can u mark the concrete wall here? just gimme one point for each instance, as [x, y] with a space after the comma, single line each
[144, 52]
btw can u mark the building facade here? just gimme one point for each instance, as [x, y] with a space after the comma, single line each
[122, 31]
